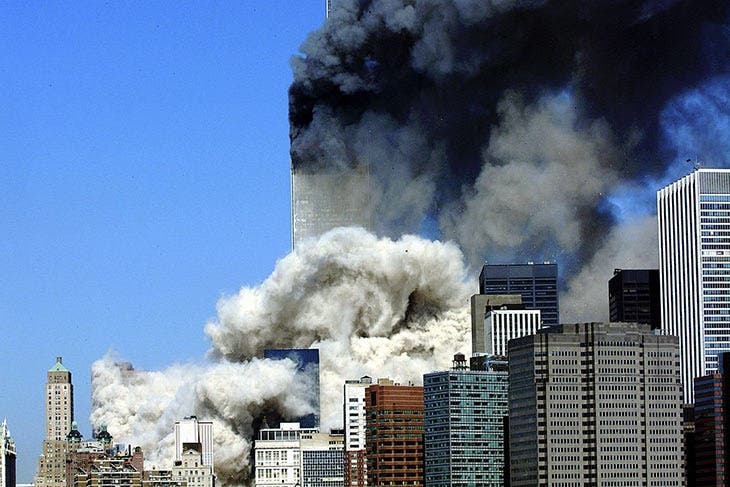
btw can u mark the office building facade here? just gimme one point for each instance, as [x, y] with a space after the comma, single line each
[191, 470]
[711, 458]
[464, 410]
[633, 296]
[595, 404]
[394, 435]
[694, 268]
[320, 456]
[536, 283]
[7, 457]
[191, 433]
[353, 417]
[59, 416]
[502, 325]
[480, 305]
[277, 455]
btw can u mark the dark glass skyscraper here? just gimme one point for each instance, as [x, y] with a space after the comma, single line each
[307, 360]
[633, 296]
[536, 283]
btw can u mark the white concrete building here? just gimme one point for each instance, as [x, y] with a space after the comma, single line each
[277, 460]
[694, 269]
[193, 433]
[353, 417]
[7, 457]
[502, 325]
[192, 470]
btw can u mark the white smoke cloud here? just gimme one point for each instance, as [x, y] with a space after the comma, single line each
[371, 306]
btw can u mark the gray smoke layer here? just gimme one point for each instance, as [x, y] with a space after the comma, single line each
[371, 306]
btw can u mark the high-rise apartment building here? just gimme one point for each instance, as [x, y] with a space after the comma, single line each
[595, 404]
[711, 459]
[536, 283]
[59, 415]
[191, 433]
[633, 296]
[277, 455]
[353, 416]
[7, 456]
[694, 268]
[320, 456]
[463, 415]
[394, 435]
[307, 361]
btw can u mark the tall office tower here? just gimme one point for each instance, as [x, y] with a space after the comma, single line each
[7, 456]
[502, 325]
[633, 296]
[694, 268]
[394, 435]
[536, 283]
[353, 416]
[307, 360]
[462, 419]
[191, 433]
[320, 457]
[595, 404]
[277, 455]
[480, 304]
[326, 200]
[59, 415]
[711, 417]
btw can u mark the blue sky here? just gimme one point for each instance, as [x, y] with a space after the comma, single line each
[144, 173]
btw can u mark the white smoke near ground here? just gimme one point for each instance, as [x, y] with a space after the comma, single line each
[381, 307]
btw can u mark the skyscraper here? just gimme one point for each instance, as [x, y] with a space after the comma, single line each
[307, 360]
[353, 416]
[7, 456]
[502, 325]
[595, 404]
[394, 435]
[536, 283]
[190, 433]
[462, 419]
[694, 268]
[59, 415]
[711, 459]
[633, 296]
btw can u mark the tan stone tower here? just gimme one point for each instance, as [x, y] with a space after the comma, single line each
[59, 415]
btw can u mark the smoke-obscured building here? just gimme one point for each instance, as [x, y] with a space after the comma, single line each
[307, 360]
[321, 460]
[353, 417]
[694, 268]
[321, 201]
[595, 404]
[711, 459]
[394, 435]
[463, 414]
[7, 456]
[633, 296]
[536, 283]
[192, 433]
[59, 415]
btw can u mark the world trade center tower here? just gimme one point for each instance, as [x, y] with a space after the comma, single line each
[694, 269]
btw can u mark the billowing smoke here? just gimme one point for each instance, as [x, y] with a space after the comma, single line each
[371, 306]
[516, 129]
[514, 121]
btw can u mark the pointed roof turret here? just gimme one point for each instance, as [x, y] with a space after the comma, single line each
[58, 366]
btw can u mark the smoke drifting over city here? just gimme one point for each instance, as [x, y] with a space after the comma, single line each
[514, 130]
